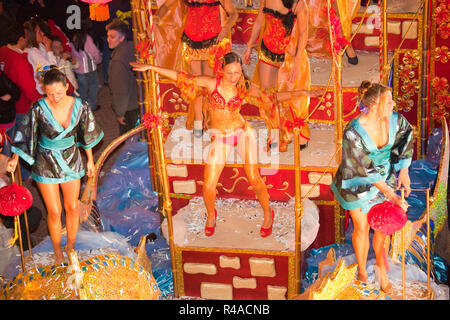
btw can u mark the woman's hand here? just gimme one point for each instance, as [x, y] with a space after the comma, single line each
[137, 66]
[90, 168]
[295, 74]
[11, 164]
[247, 54]
[47, 43]
[6, 97]
[404, 181]
[223, 34]
[396, 199]
[121, 120]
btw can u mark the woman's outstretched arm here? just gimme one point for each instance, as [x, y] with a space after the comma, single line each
[168, 73]
[201, 81]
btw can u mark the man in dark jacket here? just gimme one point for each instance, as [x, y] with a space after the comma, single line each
[122, 80]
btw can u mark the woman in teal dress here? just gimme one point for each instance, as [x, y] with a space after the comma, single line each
[48, 139]
[376, 146]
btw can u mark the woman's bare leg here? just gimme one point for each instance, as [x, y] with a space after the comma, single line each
[378, 244]
[248, 151]
[267, 75]
[196, 69]
[351, 52]
[268, 79]
[217, 156]
[360, 241]
[51, 196]
[71, 192]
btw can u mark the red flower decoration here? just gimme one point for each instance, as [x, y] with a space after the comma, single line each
[410, 87]
[441, 14]
[441, 54]
[442, 99]
[14, 200]
[152, 121]
[339, 40]
[444, 30]
[439, 84]
[297, 122]
[403, 105]
[216, 55]
[386, 217]
[143, 48]
[439, 112]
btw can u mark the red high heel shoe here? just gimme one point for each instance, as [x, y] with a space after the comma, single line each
[209, 231]
[265, 232]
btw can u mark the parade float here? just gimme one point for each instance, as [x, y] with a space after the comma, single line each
[309, 255]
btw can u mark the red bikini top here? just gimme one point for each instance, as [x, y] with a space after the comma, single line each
[217, 101]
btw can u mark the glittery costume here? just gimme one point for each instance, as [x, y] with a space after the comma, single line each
[187, 32]
[363, 163]
[217, 101]
[51, 150]
[201, 28]
[189, 90]
[274, 113]
[275, 38]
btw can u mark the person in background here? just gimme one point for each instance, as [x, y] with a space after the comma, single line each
[65, 62]
[9, 94]
[29, 9]
[6, 20]
[204, 23]
[280, 33]
[18, 69]
[39, 48]
[88, 56]
[122, 79]
[98, 31]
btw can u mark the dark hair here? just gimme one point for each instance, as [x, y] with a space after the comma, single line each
[289, 18]
[231, 57]
[44, 28]
[369, 93]
[14, 33]
[53, 76]
[55, 38]
[30, 27]
[119, 26]
[79, 37]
